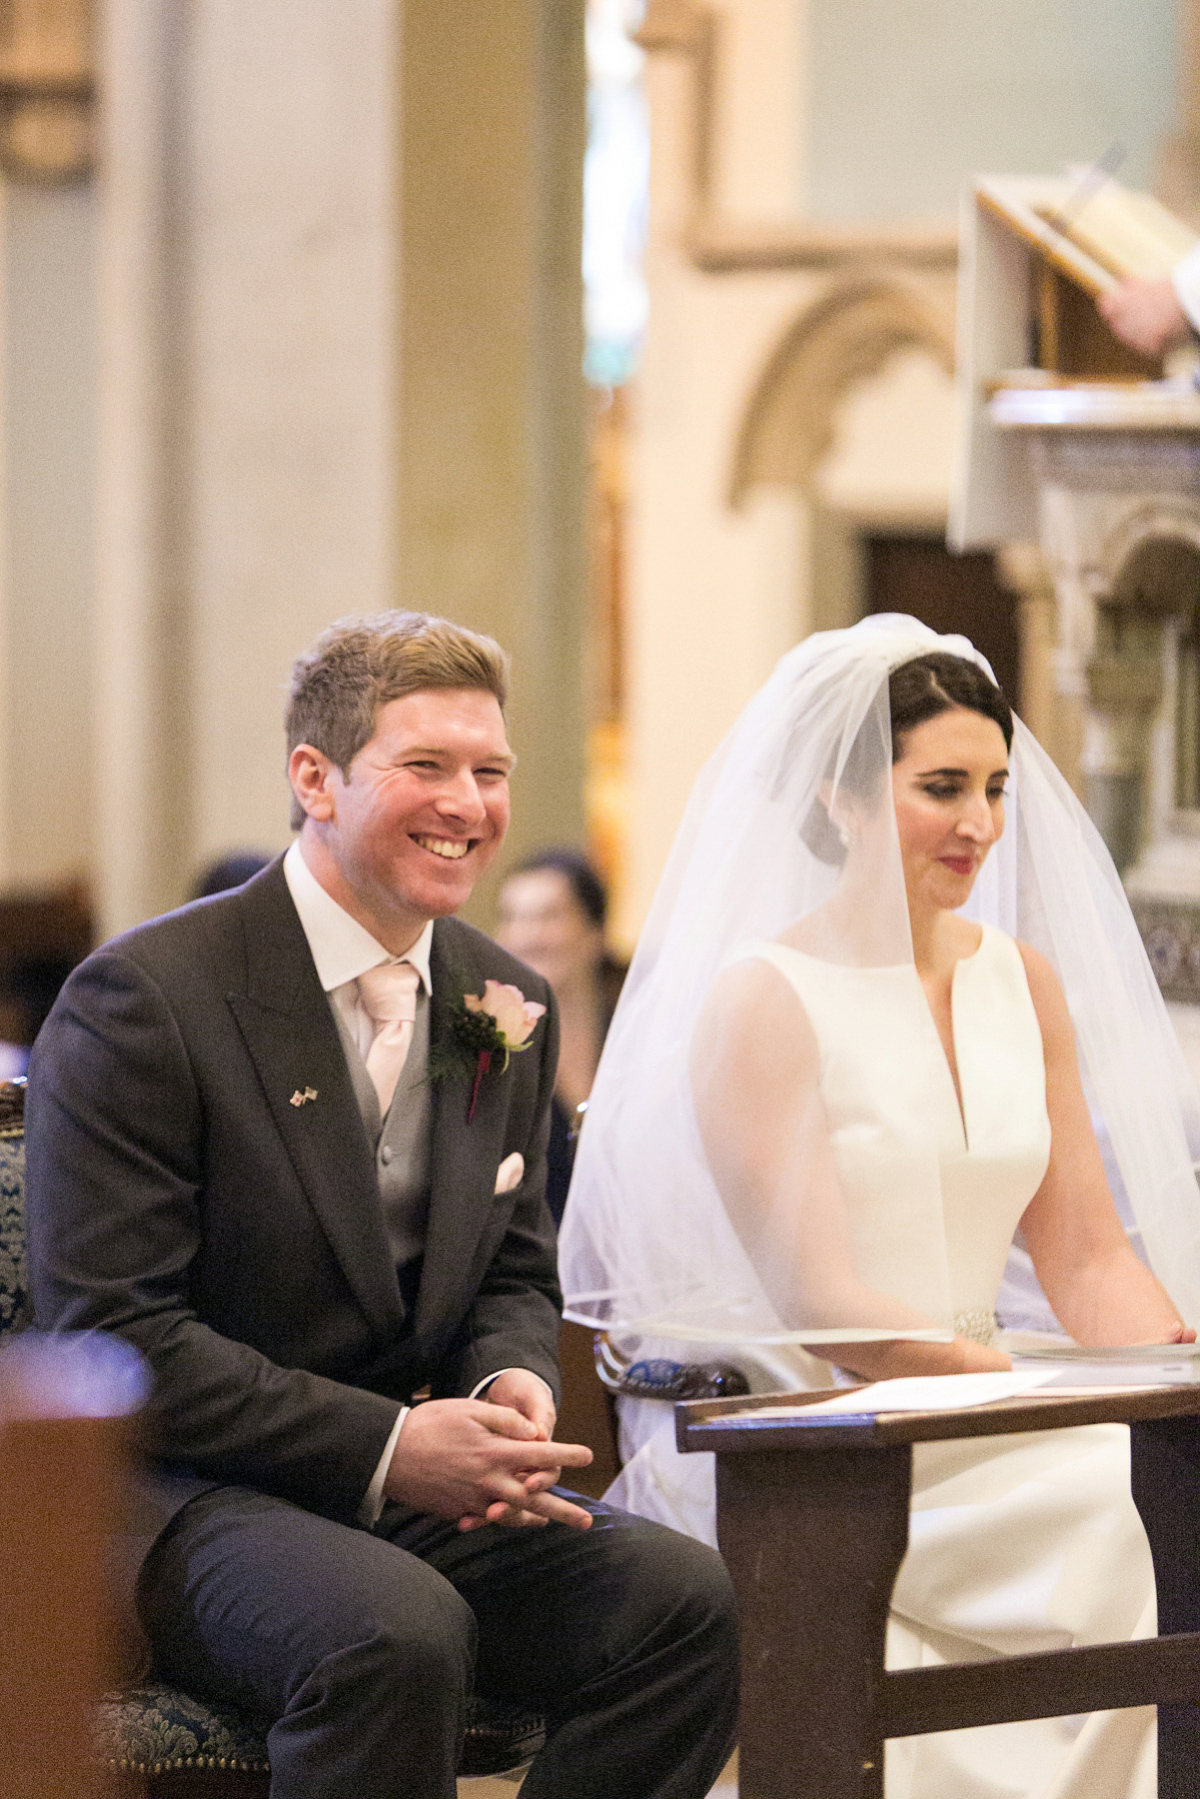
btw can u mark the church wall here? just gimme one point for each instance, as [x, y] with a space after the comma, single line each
[715, 596]
[904, 99]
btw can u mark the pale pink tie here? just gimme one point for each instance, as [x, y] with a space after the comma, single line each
[389, 996]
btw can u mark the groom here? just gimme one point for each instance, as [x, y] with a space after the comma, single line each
[270, 1143]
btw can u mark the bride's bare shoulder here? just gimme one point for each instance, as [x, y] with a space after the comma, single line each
[1049, 1000]
[752, 1013]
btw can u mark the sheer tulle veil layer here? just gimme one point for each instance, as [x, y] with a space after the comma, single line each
[794, 803]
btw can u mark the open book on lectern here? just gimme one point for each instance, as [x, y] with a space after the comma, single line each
[1035, 252]
[1108, 235]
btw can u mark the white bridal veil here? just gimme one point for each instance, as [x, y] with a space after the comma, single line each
[790, 834]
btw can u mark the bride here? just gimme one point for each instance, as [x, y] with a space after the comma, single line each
[890, 1007]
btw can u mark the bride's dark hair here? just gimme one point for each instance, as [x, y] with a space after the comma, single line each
[929, 685]
[917, 691]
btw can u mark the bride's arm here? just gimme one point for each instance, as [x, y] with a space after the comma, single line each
[1101, 1293]
[754, 1069]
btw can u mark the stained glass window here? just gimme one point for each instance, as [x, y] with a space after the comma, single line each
[615, 183]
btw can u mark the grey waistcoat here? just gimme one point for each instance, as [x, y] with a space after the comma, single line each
[402, 1139]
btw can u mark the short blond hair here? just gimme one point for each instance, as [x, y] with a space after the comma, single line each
[358, 664]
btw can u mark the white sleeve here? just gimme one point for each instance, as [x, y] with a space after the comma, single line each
[1185, 278]
[372, 1505]
[478, 1390]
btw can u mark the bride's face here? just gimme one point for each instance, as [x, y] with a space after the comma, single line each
[948, 786]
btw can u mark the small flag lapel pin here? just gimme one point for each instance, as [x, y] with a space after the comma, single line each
[302, 1098]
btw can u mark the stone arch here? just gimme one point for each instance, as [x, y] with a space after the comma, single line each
[844, 337]
[1164, 522]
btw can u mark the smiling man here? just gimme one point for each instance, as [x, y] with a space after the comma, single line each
[262, 1145]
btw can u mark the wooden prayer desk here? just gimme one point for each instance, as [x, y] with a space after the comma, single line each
[812, 1519]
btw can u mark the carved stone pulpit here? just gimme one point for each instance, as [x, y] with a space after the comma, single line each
[1070, 438]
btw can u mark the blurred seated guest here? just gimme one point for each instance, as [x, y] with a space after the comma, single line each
[1154, 314]
[32, 985]
[43, 934]
[28, 989]
[553, 908]
[229, 871]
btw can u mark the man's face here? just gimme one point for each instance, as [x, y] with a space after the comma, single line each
[422, 810]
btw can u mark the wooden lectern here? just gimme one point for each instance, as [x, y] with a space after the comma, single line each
[1035, 254]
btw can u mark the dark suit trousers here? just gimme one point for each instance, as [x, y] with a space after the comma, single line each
[359, 1648]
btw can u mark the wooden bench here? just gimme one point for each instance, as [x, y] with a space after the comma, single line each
[812, 1519]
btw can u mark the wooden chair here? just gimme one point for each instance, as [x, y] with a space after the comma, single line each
[152, 1741]
[812, 1520]
[586, 1412]
[64, 1409]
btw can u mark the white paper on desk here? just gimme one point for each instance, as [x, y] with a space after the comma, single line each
[1044, 1347]
[916, 1393]
[1124, 1364]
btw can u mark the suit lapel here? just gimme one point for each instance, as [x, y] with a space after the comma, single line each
[289, 1030]
[465, 1156]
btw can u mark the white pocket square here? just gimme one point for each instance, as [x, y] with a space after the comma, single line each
[510, 1172]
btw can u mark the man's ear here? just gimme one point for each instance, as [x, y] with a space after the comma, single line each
[311, 775]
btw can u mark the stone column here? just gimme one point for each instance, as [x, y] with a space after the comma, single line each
[47, 441]
[291, 125]
[257, 446]
[492, 421]
[1050, 706]
[140, 768]
[1125, 687]
[246, 406]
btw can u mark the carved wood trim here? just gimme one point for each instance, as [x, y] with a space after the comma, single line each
[47, 89]
[719, 245]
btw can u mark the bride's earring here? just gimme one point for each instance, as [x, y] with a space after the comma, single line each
[843, 837]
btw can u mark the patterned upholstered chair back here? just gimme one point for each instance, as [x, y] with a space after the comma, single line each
[14, 1288]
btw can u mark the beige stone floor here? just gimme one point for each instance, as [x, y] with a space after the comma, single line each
[726, 1787]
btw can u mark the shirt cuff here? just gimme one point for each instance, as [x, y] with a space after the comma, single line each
[372, 1505]
[479, 1391]
[1185, 278]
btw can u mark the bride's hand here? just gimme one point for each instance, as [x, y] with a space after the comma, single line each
[1181, 1333]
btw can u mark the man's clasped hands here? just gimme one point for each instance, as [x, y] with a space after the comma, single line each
[487, 1461]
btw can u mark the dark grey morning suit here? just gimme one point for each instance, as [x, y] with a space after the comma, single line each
[176, 1195]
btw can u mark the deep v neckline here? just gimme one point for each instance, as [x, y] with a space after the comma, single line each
[953, 1064]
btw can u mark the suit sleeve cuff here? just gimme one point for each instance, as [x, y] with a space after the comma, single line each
[478, 1391]
[372, 1505]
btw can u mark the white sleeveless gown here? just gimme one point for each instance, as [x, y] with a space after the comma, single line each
[1029, 1545]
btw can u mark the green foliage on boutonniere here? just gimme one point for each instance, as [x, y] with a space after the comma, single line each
[481, 1027]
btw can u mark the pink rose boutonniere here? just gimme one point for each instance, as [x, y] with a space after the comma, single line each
[498, 1021]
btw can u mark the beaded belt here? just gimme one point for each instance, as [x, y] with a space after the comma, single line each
[657, 1378]
[979, 1324]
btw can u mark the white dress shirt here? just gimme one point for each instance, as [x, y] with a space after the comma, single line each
[1185, 278]
[342, 949]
